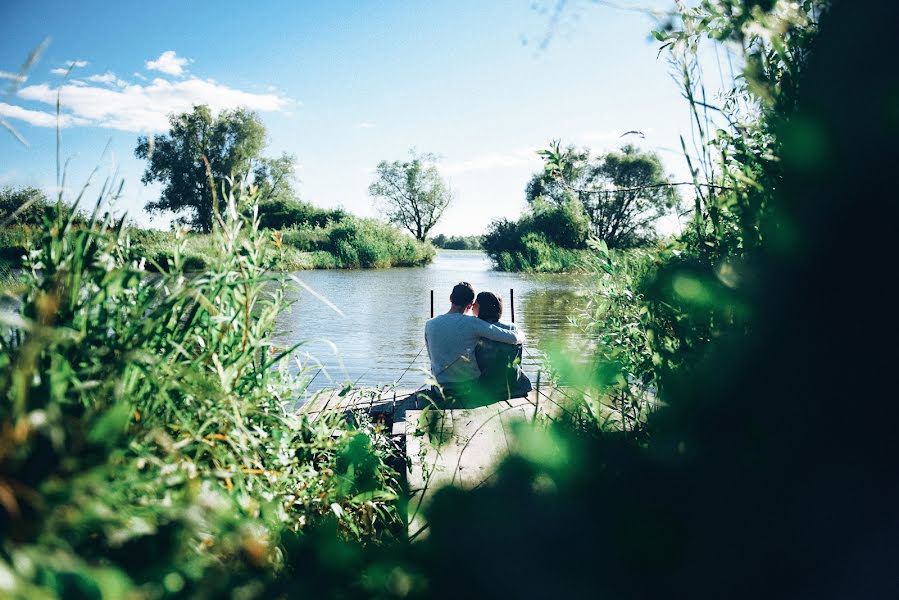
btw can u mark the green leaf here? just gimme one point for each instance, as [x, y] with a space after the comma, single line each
[111, 425]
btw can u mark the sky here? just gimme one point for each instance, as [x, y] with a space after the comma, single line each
[341, 86]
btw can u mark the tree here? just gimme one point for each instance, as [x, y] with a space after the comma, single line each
[558, 187]
[634, 195]
[27, 206]
[623, 193]
[229, 143]
[412, 193]
[274, 177]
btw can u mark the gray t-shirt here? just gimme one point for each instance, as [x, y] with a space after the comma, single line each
[451, 340]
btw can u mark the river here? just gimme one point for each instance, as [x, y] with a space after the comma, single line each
[379, 339]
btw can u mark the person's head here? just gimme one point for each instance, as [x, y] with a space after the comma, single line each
[488, 307]
[462, 295]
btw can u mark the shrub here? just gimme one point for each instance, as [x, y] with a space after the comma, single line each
[369, 243]
[564, 225]
[13, 241]
[290, 213]
[531, 243]
[37, 206]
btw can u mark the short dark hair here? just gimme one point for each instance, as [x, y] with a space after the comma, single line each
[490, 307]
[463, 294]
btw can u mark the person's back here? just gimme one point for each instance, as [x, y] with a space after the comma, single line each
[451, 340]
[500, 364]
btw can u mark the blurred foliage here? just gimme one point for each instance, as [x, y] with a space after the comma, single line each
[148, 445]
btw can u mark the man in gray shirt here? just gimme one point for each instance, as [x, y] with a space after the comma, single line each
[451, 339]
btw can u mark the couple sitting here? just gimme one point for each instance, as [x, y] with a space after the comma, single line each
[475, 357]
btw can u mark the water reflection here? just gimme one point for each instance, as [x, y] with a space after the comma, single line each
[380, 338]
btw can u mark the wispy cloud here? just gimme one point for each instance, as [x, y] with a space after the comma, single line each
[71, 64]
[169, 63]
[364, 125]
[138, 108]
[12, 76]
[517, 158]
[37, 117]
[107, 77]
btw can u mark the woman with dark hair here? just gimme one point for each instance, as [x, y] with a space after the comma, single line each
[500, 364]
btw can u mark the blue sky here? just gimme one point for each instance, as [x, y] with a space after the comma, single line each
[341, 85]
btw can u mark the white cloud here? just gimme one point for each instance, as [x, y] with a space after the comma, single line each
[139, 76]
[518, 158]
[145, 107]
[168, 63]
[70, 65]
[12, 76]
[37, 117]
[365, 125]
[107, 77]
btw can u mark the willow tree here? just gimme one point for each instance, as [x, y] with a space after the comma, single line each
[411, 193]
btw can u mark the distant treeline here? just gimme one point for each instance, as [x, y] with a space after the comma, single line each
[458, 242]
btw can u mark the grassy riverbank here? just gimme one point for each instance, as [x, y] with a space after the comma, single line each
[350, 243]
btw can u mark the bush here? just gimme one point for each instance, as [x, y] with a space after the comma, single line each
[564, 225]
[550, 239]
[38, 207]
[368, 243]
[305, 239]
[289, 213]
[12, 244]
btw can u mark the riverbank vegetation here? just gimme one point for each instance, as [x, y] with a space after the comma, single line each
[616, 199]
[148, 448]
[457, 242]
[300, 236]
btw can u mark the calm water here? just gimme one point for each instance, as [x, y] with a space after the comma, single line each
[380, 338]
